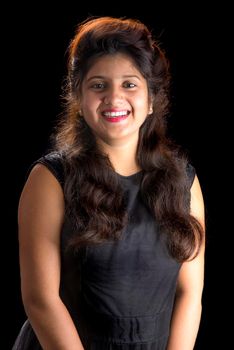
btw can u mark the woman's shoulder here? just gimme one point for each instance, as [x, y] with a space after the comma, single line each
[54, 162]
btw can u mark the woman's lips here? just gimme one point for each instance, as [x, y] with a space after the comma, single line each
[115, 115]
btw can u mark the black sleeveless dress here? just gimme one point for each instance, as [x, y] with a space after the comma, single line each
[120, 294]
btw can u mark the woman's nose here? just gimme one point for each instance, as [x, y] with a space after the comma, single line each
[113, 97]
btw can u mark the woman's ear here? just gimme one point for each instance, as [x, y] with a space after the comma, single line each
[151, 100]
[150, 109]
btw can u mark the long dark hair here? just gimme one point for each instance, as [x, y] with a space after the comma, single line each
[94, 198]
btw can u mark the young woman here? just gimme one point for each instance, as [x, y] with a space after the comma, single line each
[111, 220]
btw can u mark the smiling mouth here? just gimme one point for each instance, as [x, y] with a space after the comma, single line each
[115, 116]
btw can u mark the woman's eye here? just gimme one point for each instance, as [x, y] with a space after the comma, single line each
[98, 86]
[127, 84]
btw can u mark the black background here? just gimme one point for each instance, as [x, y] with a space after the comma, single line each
[194, 39]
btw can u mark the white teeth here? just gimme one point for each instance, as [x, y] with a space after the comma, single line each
[115, 114]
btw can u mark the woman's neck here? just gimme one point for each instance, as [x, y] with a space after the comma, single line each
[122, 157]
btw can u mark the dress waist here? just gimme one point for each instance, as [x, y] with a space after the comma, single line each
[120, 330]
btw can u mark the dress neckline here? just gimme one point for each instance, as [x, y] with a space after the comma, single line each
[130, 177]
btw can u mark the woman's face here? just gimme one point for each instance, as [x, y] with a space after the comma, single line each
[114, 99]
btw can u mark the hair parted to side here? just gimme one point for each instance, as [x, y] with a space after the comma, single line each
[94, 199]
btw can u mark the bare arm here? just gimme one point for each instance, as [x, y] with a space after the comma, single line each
[40, 217]
[187, 310]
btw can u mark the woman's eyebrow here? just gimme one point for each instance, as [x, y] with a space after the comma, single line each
[104, 77]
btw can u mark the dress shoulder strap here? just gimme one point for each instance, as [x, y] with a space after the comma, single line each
[191, 172]
[54, 162]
